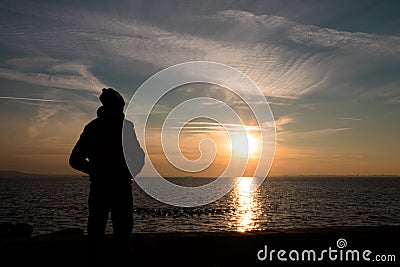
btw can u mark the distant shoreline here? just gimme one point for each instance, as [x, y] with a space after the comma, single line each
[17, 174]
[10, 174]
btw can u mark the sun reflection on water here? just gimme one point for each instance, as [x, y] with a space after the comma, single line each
[247, 204]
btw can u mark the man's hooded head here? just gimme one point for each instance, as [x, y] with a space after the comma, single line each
[110, 98]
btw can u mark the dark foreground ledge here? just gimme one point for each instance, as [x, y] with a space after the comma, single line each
[69, 248]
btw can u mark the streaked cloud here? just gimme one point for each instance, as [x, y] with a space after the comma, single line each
[82, 80]
[315, 133]
[32, 99]
[283, 57]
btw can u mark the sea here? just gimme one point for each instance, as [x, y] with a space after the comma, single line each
[54, 204]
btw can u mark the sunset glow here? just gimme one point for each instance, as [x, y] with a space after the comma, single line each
[249, 145]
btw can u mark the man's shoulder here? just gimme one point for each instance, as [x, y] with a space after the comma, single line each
[92, 124]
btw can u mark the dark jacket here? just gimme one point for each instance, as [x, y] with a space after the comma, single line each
[99, 151]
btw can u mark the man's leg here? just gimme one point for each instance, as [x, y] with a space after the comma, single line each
[97, 221]
[98, 215]
[122, 214]
[122, 220]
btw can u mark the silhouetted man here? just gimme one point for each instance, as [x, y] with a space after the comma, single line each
[99, 153]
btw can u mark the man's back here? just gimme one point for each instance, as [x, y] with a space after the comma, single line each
[99, 151]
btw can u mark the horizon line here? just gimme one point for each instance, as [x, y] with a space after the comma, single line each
[207, 177]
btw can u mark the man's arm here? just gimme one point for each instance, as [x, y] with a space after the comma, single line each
[79, 155]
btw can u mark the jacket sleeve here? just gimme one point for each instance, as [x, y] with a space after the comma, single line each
[80, 153]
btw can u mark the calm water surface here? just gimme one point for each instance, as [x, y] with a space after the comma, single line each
[52, 204]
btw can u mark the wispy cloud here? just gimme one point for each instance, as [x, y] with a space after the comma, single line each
[45, 112]
[279, 70]
[210, 127]
[283, 121]
[32, 99]
[279, 27]
[314, 133]
[266, 63]
[284, 58]
[81, 80]
[213, 127]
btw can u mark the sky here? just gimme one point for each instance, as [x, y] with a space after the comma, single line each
[330, 71]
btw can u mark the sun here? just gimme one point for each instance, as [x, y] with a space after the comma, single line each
[252, 141]
[245, 145]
